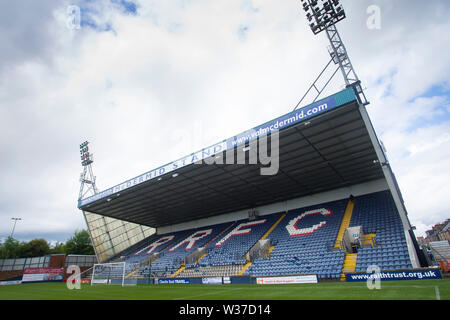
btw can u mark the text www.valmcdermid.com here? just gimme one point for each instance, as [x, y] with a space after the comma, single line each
[298, 116]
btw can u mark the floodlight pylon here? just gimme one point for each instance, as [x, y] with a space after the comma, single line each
[324, 18]
[87, 177]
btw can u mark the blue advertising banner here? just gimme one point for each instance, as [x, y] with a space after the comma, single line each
[395, 275]
[174, 281]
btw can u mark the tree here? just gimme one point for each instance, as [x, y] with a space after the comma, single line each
[35, 248]
[59, 248]
[80, 243]
[10, 249]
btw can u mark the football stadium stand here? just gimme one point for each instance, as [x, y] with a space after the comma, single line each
[302, 241]
[334, 206]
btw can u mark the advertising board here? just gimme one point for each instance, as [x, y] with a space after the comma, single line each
[287, 280]
[42, 274]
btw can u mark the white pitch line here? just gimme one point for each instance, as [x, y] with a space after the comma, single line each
[438, 296]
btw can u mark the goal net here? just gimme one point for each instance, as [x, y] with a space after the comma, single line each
[109, 273]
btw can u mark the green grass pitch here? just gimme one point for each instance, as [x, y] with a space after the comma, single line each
[390, 290]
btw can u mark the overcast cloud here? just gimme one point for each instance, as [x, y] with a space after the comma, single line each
[147, 82]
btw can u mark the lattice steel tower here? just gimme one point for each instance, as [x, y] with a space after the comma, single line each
[87, 177]
[323, 16]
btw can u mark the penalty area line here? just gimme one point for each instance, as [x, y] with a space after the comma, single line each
[438, 295]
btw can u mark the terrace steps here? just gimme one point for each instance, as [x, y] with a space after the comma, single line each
[345, 223]
[349, 265]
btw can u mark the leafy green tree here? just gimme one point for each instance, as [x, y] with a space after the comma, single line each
[59, 248]
[10, 249]
[34, 248]
[80, 243]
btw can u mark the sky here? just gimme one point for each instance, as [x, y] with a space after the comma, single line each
[147, 82]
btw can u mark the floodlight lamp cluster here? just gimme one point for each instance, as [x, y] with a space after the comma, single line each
[325, 13]
[86, 157]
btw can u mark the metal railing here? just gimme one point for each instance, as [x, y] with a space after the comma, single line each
[366, 241]
[259, 249]
[436, 253]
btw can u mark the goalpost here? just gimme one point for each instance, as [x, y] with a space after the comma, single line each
[109, 273]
